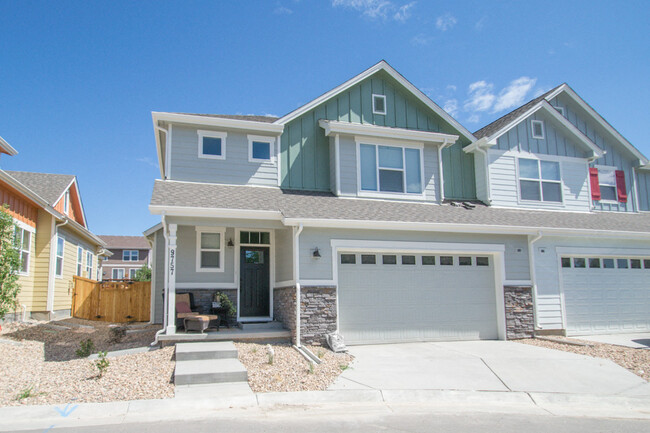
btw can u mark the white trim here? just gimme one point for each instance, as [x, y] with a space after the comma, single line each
[600, 252]
[237, 273]
[213, 230]
[130, 272]
[337, 162]
[382, 65]
[152, 230]
[212, 212]
[206, 286]
[386, 132]
[56, 254]
[278, 158]
[32, 232]
[559, 109]
[608, 168]
[8, 149]
[261, 139]
[524, 154]
[376, 96]
[532, 129]
[89, 264]
[66, 202]
[123, 264]
[80, 261]
[283, 284]
[219, 122]
[211, 134]
[601, 121]
[51, 283]
[152, 288]
[517, 283]
[168, 152]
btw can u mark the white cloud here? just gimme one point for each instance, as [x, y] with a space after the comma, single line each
[480, 98]
[445, 22]
[377, 9]
[474, 118]
[451, 107]
[480, 24]
[451, 88]
[148, 161]
[282, 10]
[404, 12]
[421, 39]
[514, 94]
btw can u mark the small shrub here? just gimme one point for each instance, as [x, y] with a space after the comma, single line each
[102, 364]
[311, 368]
[26, 393]
[86, 348]
[343, 367]
[118, 334]
[320, 354]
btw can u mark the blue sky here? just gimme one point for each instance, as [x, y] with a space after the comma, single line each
[78, 79]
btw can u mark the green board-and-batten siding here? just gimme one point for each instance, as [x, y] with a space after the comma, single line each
[305, 148]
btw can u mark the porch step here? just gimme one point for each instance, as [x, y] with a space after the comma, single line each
[204, 371]
[260, 325]
[206, 350]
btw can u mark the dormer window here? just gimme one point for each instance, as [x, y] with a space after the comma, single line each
[212, 144]
[537, 129]
[378, 104]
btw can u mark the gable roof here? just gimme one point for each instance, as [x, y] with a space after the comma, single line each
[49, 186]
[126, 242]
[250, 117]
[566, 89]
[381, 66]
[7, 148]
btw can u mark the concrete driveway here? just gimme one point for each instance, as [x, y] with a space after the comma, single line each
[634, 340]
[485, 366]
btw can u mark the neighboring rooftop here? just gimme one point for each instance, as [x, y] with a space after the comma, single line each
[326, 206]
[250, 117]
[7, 148]
[48, 186]
[125, 242]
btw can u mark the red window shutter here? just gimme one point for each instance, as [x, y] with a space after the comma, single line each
[620, 186]
[595, 186]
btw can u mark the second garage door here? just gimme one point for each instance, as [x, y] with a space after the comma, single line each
[388, 297]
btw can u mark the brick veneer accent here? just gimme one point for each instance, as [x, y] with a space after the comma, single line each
[520, 321]
[317, 312]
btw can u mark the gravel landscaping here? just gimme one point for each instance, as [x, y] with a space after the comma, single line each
[635, 360]
[39, 362]
[289, 370]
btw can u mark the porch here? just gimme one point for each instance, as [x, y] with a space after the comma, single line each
[232, 334]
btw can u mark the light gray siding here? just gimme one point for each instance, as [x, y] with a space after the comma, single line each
[643, 186]
[235, 169]
[283, 255]
[186, 259]
[159, 272]
[516, 256]
[505, 189]
[617, 156]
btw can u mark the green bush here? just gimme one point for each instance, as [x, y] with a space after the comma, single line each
[86, 348]
[9, 263]
[102, 364]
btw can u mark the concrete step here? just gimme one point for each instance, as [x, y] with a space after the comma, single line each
[261, 325]
[205, 350]
[209, 371]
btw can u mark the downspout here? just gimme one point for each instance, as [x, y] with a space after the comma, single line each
[442, 177]
[533, 279]
[296, 270]
[165, 285]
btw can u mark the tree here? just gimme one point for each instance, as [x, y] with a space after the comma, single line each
[143, 274]
[9, 263]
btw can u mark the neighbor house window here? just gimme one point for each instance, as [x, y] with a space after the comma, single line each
[260, 149]
[130, 255]
[89, 264]
[60, 246]
[132, 273]
[537, 127]
[209, 250]
[118, 274]
[212, 144]
[23, 242]
[390, 169]
[378, 104]
[540, 180]
[80, 256]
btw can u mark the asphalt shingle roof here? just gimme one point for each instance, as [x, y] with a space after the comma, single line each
[132, 242]
[253, 118]
[48, 186]
[324, 205]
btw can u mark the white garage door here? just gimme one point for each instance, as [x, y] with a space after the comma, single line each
[388, 297]
[606, 295]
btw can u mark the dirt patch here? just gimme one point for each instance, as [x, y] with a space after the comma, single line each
[635, 360]
[289, 370]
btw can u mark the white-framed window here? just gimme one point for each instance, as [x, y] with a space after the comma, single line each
[560, 110]
[378, 104]
[66, 202]
[537, 129]
[254, 238]
[80, 257]
[89, 264]
[23, 242]
[118, 274]
[209, 249]
[607, 183]
[260, 149]
[130, 255]
[390, 169]
[132, 273]
[60, 247]
[539, 180]
[212, 144]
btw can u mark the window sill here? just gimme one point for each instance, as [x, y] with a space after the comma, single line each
[209, 270]
[212, 157]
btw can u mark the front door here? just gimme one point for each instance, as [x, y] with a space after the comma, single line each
[254, 282]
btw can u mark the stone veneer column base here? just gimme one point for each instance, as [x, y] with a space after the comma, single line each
[520, 315]
[317, 312]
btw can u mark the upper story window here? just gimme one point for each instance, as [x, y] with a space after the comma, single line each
[23, 242]
[390, 169]
[537, 127]
[212, 144]
[209, 249]
[540, 180]
[260, 149]
[60, 246]
[378, 104]
[130, 255]
[608, 184]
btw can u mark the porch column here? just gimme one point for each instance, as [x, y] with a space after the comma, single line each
[171, 281]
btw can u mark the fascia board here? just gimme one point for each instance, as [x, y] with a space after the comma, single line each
[152, 230]
[158, 145]
[7, 148]
[336, 127]
[219, 122]
[215, 212]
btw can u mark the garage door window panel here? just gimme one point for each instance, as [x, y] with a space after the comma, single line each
[408, 260]
[446, 261]
[608, 263]
[368, 259]
[579, 263]
[594, 263]
[566, 262]
[428, 260]
[646, 264]
[389, 259]
[348, 259]
[622, 263]
[482, 261]
[635, 264]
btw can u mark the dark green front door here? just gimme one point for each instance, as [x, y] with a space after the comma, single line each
[254, 282]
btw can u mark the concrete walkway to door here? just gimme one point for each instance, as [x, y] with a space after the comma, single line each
[485, 366]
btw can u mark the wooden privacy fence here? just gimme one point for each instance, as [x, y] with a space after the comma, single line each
[114, 301]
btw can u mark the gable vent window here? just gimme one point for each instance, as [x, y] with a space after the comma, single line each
[378, 104]
[538, 129]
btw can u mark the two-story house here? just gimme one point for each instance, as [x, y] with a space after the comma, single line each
[130, 253]
[389, 221]
[53, 237]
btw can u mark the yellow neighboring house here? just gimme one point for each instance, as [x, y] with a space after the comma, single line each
[53, 236]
